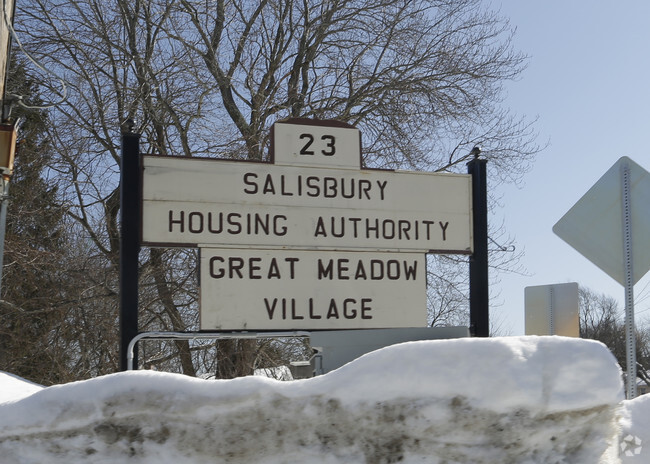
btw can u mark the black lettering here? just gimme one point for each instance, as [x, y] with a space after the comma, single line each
[305, 149]
[349, 194]
[370, 228]
[253, 185]
[195, 227]
[233, 220]
[343, 269]
[311, 310]
[253, 268]
[283, 189]
[268, 185]
[329, 187]
[211, 228]
[404, 227]
[352, 313]
[274, 270]
[173, 221]
[364, 188]
[333, 311]
[444, 230]
[313, 187]
[361, 272]
[325, 272]
[216, 272]
[366, 309]
[270, 309]
[294, 316]
[320, 228]
[382, 186]
[341, 233]
[261, 223]
[376, 269]
[292, 268]
[235, 265]
[411, 271]
[355, 222]
[392, 269]
[428, 224]
[329, 145]
[388, 229]
[277, 229]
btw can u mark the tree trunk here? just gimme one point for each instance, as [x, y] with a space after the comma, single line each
[167, 300]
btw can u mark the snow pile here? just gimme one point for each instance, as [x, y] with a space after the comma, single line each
[635, 434]
[519, 400]
[13, 388]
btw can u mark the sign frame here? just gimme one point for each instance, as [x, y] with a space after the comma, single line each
[132, 186]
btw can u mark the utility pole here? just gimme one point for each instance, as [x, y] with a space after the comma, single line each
[5, 47]
[7, 129]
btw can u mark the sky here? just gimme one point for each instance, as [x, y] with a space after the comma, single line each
[587, 81]
[479, 400]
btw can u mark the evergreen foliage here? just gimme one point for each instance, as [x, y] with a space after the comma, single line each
[35, 281]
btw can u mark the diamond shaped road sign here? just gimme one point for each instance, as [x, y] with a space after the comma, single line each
[594, 226]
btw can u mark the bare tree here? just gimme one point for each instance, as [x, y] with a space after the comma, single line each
[421, 79]
[602, 319]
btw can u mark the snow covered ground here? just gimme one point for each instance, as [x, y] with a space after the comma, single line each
[498, 400]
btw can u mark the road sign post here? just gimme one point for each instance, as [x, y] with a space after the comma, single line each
[609, 225]
[129, 243]
[630, 336]
[479, 296]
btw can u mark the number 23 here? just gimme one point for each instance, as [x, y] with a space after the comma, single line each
[329, 139]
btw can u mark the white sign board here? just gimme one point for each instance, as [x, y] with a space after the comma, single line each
[310, 240]
[313, 144]
[233, 204]
[247, 289]
[594, 225]
[552, 310]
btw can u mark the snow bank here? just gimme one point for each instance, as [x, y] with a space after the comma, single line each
[519, 400]
[14, 388]
[635, 433]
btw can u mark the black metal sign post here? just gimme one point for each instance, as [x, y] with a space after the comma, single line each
[479, 312]
[129, 242]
